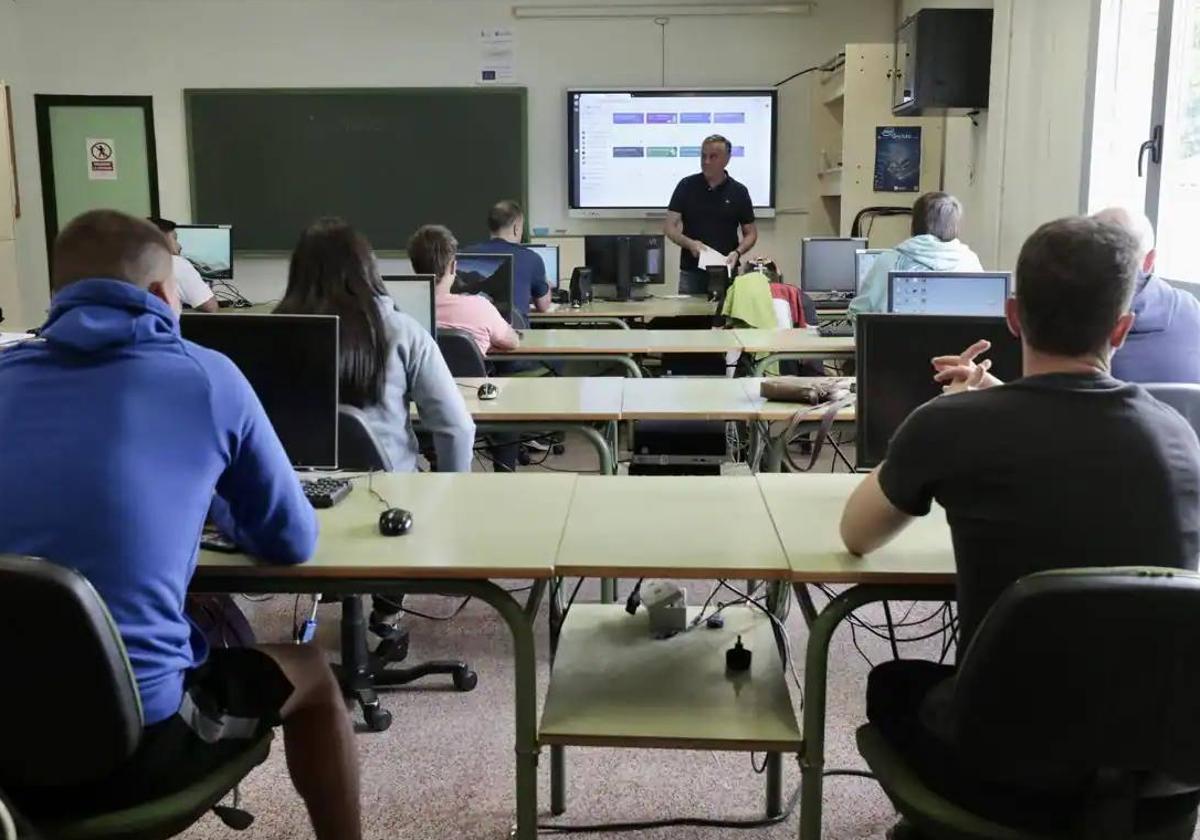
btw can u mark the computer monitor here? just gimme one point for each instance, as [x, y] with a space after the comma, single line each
[948, 292]
[864, 259]
[491, 275]
[894, 373]
[414, 296]
[622, 261]
[570, 252]
[827, 265]
[269, 350]
[209, 248]
[549, 255]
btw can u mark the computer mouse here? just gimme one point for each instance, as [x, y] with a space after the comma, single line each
[394, 522]
[488, 391]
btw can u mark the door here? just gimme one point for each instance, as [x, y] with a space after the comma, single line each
[95, 152]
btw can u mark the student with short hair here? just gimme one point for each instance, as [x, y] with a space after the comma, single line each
[433, 250]
[388, 360]
[506, 222]
[193, 291]
[1065, 467]
[126, 437]
[933, 246]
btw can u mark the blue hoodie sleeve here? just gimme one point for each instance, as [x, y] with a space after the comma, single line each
[259, 502]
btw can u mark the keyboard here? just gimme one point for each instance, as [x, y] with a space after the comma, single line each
[842, 328]
[325, 492]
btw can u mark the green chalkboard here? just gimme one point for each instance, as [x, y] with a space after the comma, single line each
[270, 161]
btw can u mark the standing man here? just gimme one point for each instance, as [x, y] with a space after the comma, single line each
[506, 221]
[710, 208]
[193, 291]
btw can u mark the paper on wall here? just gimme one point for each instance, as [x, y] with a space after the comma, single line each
[497, 56]
[101, 158]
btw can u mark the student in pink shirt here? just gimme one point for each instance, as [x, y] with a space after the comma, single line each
[433, 250]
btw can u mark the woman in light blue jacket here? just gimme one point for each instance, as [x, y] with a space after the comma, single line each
[933, 246]
[387, 359]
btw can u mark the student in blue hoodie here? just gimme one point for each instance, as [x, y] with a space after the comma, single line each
[1164, 343]
[933, 246]
[125, 435]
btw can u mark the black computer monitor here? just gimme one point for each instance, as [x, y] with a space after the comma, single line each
[415, 296]
[209, 248]
[827, 265]
[622, 261]
[291, 362]
[549, 255]
[948, 292]
[491, 275]
[894, 372]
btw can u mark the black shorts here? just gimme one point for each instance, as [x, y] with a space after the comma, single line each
[234, 697]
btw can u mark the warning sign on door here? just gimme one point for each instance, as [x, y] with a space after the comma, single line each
[101, 159]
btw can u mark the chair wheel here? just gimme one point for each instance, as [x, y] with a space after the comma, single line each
[377, 718]
[466, 679]
[558, 449]
[523, 458]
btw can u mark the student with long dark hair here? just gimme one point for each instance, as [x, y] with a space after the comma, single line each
[387, 359]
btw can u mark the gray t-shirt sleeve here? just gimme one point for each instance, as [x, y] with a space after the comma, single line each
[441, 406]
[915, 460]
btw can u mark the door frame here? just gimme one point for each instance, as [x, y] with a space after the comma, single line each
[42, 103]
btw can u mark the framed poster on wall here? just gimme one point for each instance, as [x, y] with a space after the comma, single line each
[897, 159]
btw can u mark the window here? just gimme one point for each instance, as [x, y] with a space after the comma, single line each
[1179, 184]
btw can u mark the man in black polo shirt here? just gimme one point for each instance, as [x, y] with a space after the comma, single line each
[710, 208]
[1065, 467]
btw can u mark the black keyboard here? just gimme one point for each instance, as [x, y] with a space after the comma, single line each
[325, 492]
[836, 329]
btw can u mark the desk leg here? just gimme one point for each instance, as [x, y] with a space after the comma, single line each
[558, 756]
[776, 602]
[816, 669]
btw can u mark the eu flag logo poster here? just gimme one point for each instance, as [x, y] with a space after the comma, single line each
[897, 159]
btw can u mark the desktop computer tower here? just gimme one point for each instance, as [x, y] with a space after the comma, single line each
[676, 447]
[624, 268]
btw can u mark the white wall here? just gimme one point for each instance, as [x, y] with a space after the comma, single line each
[12, 72]
[153, 47]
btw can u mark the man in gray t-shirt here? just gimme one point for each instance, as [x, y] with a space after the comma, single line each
[1063, 467]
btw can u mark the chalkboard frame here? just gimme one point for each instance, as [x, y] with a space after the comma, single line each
[523, 128]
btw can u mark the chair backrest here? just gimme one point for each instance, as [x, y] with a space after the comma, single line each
[810, 309]
[69, 709]
[461, 353]
[1082, 673]
[1184, 397]
[358, 447]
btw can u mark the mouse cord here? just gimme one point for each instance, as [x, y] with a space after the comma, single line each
[375, 493]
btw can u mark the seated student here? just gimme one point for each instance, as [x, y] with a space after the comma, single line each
[193, 291]
[432, 250]
[1064, 467]
[148, 427]
[387, 359]
[933, 246]
[506, 221]
[1164, 343]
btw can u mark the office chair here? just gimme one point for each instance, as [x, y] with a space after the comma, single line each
[461, 353]
[1181, 396]
[1078, 699]
[361, 671]
[71, 715]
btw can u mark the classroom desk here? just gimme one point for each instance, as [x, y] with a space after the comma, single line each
[440, 556]
[689, 398]
[552, 403]
[917, 565]
[678, 527]
[792, 344]
[618, 346]
[774, 411]
[619, 312]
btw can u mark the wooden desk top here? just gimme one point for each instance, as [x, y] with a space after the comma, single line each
[689, 398]
[614, 685]
[807, 510]
[793, 341]
[470, 526]
[531, 398]
[622, 342]
[670, 526]
[642, 310]
[775, 411]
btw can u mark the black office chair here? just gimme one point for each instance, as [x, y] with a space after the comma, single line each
[1081, 688]
[361, 671]
[1184, 397]
[461, 353]
[70, 714]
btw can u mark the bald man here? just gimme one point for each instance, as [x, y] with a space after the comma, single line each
[1164, 344]
[156, 434]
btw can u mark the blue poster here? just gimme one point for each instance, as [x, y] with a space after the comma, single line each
[897, 159]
